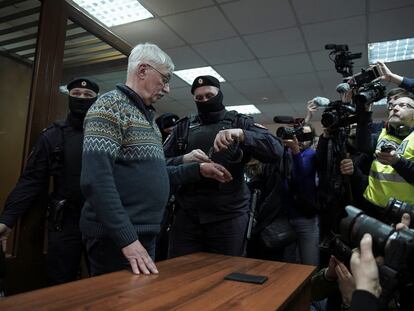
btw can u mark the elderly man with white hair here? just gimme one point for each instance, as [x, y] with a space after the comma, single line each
[124, 176]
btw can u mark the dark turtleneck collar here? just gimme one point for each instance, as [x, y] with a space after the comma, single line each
[212, 117]
[75, 121]
[148, 111]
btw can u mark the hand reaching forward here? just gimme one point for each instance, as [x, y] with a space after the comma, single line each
[215, 171]
[196, 155]
[139, 259]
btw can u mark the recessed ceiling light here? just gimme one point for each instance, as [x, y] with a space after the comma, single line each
[244, 109]
[391, 51]
[188, 75]
[114, 12]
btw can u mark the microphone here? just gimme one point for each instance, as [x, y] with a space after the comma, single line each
[321, 101]
[343, 87]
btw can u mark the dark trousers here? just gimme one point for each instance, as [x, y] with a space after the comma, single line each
[105, 256]
[65, 250]
[225, 237]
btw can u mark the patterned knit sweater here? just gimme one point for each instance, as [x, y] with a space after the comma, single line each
[124, 176]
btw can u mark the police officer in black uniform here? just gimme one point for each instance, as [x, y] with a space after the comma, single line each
[58, 154]
[213, 217]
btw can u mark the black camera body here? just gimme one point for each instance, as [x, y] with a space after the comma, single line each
[288, 132]
[370, 93]
[366, 76]
[338, 114]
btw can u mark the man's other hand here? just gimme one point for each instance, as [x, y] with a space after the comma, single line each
[139, 259]
[346, 167]
[4, 233]
[215, 171]
[387, 158]
[292, 144]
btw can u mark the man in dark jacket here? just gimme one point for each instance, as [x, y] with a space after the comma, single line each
[58, 154]
[213, 217]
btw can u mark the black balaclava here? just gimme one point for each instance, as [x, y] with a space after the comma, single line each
[79, 106]
[214, 104]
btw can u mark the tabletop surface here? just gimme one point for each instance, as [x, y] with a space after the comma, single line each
[192, 282]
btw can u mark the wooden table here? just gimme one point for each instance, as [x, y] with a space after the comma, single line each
[193, 282]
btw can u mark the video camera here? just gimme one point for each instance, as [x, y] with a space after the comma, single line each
[343, 58]
[370, 93]
[289, 132]
[364, 84]
[338, 114]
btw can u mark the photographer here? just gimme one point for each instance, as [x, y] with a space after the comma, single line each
[299, 198]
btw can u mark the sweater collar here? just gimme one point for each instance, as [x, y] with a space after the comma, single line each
[148, 111]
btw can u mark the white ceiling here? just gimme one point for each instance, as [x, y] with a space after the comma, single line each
[271, 49]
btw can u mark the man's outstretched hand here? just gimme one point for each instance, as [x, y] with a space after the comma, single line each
[215, 171]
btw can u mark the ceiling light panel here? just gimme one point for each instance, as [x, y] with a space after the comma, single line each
[391, 51]
[188, 75]
[114, 12]
[244, 109]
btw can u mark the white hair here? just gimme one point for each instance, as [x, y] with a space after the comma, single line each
[148, 53]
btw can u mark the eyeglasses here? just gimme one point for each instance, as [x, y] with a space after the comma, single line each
[401, 105]
[165, 79]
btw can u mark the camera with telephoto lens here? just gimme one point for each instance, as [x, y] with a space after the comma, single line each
[338, 114]
[395, 246]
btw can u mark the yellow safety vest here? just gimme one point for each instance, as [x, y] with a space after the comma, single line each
[383, 181]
